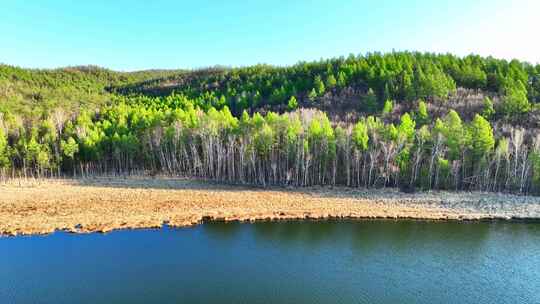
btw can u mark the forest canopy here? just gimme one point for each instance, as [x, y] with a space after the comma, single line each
[400, 119]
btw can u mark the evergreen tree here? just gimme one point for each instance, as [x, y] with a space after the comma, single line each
[369, 102]
[318, 85]
[515, 101]
[388, 106]
[483, 140]
[312, 96]
[292, 104]
[331, 81]
[422, 115]
[341, 80]
[488, 110]
[454, 133]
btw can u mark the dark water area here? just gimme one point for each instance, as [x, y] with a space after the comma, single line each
[279, 262]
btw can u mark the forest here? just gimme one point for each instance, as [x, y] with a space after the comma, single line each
[416, 121]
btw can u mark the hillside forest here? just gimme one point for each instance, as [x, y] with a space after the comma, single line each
[416, 121]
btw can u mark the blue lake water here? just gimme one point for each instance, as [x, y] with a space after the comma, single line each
[279, 262]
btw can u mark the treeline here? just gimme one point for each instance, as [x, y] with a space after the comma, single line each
[299, 148]
[400, 76]
[370, 80]
[257, 125]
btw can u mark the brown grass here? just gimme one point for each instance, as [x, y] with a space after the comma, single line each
[104, 204]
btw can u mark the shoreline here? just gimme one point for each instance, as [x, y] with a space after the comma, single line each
[167, 226]
[105, 204]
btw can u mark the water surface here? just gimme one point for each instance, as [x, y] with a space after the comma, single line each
[279, 262]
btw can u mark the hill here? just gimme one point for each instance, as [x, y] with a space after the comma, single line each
[35, 92]
[413, 120]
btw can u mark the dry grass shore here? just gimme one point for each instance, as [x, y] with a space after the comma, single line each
[104, 204]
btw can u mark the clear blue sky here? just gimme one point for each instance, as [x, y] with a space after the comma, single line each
[133, 35]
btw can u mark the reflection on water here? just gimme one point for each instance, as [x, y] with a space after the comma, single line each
[283, 262]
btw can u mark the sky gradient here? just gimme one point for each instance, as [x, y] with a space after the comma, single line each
[135, 35]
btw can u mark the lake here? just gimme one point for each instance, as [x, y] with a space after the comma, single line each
[279, 262]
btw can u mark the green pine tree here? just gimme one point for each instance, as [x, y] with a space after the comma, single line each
[388, 107]
[319, 86]
[292, 104]
[331, 81]
[515, 101]
[312, 96]
[488, 110]
[369, 102]
[482, 134]
[422, 115]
